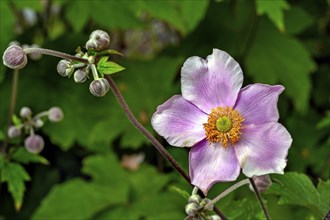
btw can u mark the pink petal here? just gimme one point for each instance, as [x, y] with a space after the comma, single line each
[210, 83]
[258, 103]
[179, 122]
[210, 163]
[263, 149]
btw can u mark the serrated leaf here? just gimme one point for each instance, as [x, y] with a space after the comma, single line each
[297, 20]
[108, 67]
[323, 188]
[274, 10]
[297, 189]
[79, 199]
[15, 176]
[23, 156]
[278, 58]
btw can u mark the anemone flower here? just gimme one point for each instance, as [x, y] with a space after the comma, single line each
[227, 128]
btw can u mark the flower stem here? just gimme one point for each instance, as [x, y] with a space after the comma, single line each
[149, 136]
[227, 191]
[259, 198]
[55, 54]
[11, 108]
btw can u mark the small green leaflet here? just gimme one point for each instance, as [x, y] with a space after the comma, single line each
[181, 192]
[23, 156]
[15, 175]
[110, 51]
[16, 120]
[106, 67]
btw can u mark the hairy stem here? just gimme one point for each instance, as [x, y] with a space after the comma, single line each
[259, 198]
[11, 108]
[55, 54]
[227, 191]
[149, 136]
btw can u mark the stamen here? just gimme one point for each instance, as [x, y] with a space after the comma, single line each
[223, 126]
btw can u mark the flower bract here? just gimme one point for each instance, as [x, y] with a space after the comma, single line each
[228, 128]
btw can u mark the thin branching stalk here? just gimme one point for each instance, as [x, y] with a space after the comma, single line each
[149, 136]
[11, 108]
[264, 209]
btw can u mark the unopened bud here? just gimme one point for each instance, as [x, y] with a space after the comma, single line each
[34, 144]
[262, 183]
[214, 217]
[98, 40]
[80, 76]
[195, 199]
[35, 55]
[99, 87]
[55, 114]
[191, 209]
[25, 112]
[38, 123]
[14, 57]
[13, 132]
[64, 68]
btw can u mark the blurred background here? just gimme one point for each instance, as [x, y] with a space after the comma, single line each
[100, 167]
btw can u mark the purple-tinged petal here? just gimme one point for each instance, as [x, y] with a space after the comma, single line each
[210, 163]
[210, 83]
[263, 149]
[179, 122]
[258, 103]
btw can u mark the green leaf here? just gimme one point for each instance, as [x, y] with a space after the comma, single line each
[323, 189]
[183, 193]
[23, 156]
[16, 120]
[297, 20]
[15, 176]
[108, 67]
[325, 122]
[274, 10]
[183, 15]
[80, 199]
[297, 189]
[275, 57]
[109, 52]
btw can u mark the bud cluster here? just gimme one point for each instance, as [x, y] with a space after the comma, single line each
[98, 40]
[27, 124]
[197, 209]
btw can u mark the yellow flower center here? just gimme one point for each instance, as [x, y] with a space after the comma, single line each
[223, 126]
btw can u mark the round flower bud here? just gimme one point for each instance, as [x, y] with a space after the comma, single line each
[191, 209]
[214, 217]
[34, 55]
[34, 144]
[14, 57]
[55, 114]
[38, 123]
[25, 112]
[98, 40]
[99, 87]
[64, 68]
[262, 183]
[80, 76]
[13, 132]
[195, 199]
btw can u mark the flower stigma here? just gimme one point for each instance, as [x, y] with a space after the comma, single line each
[223, 126]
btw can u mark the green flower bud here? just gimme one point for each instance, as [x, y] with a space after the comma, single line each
[64, 68]
[99, 87]
[34, 144]
[80, 76]
[38, 123]
[25, 112]
[55, 114]
[195, 199]
[191, 209]
[14, 57]
[13, 132]
[214, 217]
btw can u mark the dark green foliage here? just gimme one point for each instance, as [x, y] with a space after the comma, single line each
[81, 173]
